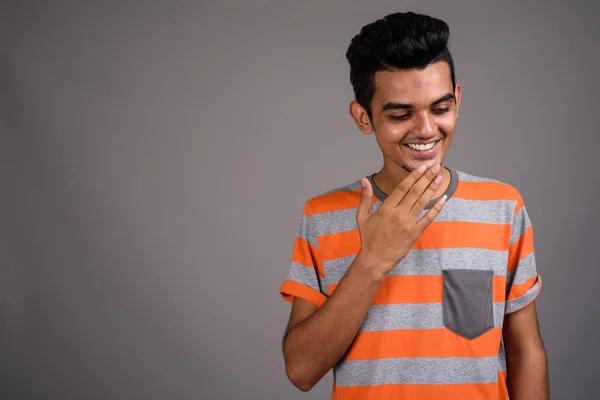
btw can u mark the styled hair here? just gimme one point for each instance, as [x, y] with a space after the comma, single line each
[398, 41]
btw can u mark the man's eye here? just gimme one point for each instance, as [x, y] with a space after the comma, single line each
[441, 110]
[400, 117]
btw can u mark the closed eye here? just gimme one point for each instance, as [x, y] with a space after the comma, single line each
[400, 117]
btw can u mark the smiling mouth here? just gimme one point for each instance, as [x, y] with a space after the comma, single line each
[422, 147]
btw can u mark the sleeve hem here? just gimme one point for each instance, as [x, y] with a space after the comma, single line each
[290, 289]
[523, 301]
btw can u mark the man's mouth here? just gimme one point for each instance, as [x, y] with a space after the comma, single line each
[423, 149]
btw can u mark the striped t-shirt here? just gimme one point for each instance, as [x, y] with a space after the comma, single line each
[434, 328]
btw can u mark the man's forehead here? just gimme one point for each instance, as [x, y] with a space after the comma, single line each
[406, 85]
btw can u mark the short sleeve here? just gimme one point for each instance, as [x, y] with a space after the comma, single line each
[305, 277]
[523, 282]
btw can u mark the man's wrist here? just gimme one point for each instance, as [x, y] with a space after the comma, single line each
[370, 267]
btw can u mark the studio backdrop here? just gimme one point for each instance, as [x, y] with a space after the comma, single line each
[156, 156]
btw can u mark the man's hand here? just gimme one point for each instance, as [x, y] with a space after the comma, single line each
[388, 234]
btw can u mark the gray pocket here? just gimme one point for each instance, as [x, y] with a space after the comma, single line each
[467, 302]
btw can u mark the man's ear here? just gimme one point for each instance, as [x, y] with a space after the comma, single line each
[457, 96]
[360, 117]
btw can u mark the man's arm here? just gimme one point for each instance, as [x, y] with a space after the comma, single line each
[527, 365]
[316, 339]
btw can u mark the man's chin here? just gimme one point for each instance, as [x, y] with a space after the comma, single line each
[407, 167]
[415, 164]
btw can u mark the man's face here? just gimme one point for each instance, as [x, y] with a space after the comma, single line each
[414, 114]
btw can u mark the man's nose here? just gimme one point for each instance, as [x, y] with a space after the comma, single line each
[424, 126]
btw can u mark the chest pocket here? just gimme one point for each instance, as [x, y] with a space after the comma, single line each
[467, 301]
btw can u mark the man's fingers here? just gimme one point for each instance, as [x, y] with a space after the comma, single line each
[416, 191]
[365, 208]
[426, 197]
[404, 187]
[431, 214]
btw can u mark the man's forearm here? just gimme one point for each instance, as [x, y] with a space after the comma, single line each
[315, 345]
[527, 374]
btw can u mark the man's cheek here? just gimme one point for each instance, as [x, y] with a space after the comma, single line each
[397, 134]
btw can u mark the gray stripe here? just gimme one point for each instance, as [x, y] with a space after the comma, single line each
[458, 210]
[520, 224]
[413, 316]
[481, 211]
[525, 269]
[417, 371]
[304, 275]
[336, 269]
[336, 221]
[520, 302]
[472, 178]
[430, 262]
[501, 358]
[304, 231]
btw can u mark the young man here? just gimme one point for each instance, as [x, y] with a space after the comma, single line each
[417, 281]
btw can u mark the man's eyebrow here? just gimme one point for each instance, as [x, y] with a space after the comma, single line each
[395, 106]
[402, 106]
[446, 97]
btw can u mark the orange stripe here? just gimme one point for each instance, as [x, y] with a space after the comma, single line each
[290, 289]
[307, 210]
[337, 245]
[343, 199]
[418, 289]
[464, 234]
[422, 343]
[502, 388]
[486, 191]
[429, 392]
[438, 235]
[335, 201]
[521, 248]
[306, 254]
[519, 290]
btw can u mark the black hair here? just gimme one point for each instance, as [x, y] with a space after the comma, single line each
[397, 41]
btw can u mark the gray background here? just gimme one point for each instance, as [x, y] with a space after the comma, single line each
[156, 157]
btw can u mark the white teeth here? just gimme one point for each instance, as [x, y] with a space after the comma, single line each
[422, 147]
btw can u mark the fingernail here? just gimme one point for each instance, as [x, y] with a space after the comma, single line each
[436, 168]
[437, 179]
[422, 168]
[443, 200]
[362, 181]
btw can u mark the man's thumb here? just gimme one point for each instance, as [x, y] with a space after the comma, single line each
[365, 208]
